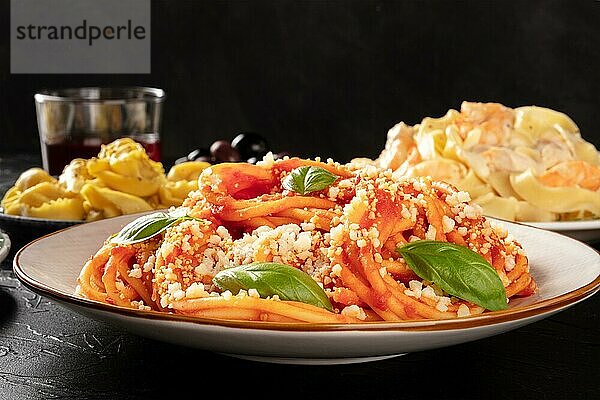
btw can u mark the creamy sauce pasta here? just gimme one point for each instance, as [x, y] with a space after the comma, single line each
[524, 164]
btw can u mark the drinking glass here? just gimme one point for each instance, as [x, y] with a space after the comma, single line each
[74, 123]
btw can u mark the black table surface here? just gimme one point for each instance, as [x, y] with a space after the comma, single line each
[49, 352]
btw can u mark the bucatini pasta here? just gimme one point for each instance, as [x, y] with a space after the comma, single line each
[341, 227]
[121, 180]
[525, 164]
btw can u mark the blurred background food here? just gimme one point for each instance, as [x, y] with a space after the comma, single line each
[247, 147]
[525, 164]
[122, 179]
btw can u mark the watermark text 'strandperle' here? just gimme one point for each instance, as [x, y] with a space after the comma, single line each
[80, 37]
[84, 31]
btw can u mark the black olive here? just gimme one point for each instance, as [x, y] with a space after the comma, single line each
[223, 152]
[197, 153]
[250, 144]
[207, 159]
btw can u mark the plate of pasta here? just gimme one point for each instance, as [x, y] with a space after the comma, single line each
[310, 262]
[528, 164]
[121, 179]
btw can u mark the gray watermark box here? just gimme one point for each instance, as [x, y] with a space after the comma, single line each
[80, 37]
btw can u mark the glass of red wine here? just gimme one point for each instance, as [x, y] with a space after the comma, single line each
[74, 123]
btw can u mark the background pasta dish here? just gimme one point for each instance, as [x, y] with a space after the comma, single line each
[122, 179]
[305, 241]
[524, 164]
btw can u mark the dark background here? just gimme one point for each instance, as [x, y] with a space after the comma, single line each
[330, 78]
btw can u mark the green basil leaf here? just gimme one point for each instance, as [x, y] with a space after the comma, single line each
[270, 279]
[307, 179]
[457, 270]
[148, 226]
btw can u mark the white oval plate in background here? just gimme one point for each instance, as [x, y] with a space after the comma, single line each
[586, 231]
[4, 245]
[567, 272]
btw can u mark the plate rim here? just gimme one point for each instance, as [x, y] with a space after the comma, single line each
[476, 321]
[5, 247]
[583, 225]
[22, 218]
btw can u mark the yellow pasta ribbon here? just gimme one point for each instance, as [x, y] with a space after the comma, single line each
[10, 202]
[173, 193]
[554, 199]
[41, 193]
[187, 171]
[111, 202]
[59, 209]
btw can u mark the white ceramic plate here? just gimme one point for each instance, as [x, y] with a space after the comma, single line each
[4, 245]
[586, 231]
[567, 272]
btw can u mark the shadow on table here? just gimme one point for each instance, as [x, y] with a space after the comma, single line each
[8, 306]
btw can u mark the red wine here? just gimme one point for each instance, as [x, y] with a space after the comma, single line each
[56, 156]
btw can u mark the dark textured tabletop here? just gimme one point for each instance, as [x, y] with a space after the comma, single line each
[49, 352]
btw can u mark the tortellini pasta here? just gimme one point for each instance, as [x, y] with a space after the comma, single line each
[181, 180]
[37, 194]
[121, 180]
[123, 165]
[525, 164]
